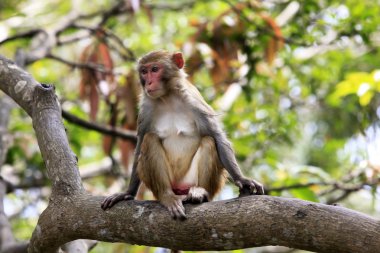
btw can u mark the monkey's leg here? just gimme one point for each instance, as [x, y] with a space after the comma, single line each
[154, 170]
[211, 175]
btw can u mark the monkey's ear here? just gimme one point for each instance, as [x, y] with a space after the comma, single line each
[178, 60]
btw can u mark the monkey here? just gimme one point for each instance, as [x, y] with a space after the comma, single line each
[182, 152]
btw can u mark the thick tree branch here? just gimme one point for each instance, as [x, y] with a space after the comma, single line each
[5, 109]
[223, 225]
[17, 84]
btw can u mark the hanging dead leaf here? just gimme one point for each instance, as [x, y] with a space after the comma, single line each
[193, 64]
[124, 110]
[128, 96]
[109, 141]
[224, 37]
[148, 11]
[96, 80]
[127, 149]
[276, 42]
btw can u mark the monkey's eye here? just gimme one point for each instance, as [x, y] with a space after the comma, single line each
[144, 71]
[154, 69]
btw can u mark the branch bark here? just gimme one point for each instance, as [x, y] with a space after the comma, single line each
[225, 225]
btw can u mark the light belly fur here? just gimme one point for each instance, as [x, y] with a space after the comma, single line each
[180, 150]
[175, 125]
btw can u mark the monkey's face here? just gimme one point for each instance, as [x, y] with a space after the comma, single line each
[151, 76]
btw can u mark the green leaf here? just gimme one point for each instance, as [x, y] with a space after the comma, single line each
[305, 193]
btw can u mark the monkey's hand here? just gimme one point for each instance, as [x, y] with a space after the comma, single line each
[249, 187]
[113, 199]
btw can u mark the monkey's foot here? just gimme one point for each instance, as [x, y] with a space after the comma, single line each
[196, 195]
[174, 204]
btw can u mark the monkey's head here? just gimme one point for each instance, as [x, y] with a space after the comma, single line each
[157, 70]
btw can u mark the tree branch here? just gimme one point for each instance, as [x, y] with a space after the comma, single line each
[17, 84]
[223, 225]
[22, 35]
[113, 131]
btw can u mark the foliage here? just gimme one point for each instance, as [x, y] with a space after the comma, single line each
[307, 87]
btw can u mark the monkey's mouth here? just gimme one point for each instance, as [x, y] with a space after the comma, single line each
[150, 92]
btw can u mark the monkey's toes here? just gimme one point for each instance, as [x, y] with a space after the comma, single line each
[177, 211]
[196, 195]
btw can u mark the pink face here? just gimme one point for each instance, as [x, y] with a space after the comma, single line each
[151, 77]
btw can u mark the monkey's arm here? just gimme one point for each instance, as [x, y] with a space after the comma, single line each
[133, 184]
[226, 155]
[227, 158]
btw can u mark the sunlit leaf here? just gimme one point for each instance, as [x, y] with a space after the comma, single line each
[305, 193]
[366, 98]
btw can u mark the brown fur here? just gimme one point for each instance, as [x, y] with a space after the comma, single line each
[211, 175]
[153, 166]
[157, 173]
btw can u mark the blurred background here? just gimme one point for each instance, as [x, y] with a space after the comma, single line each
[296, 84]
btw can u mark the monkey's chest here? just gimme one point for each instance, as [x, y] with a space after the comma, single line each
[174, 125]
[180, 137]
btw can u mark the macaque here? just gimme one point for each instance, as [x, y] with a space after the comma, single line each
[182, 152]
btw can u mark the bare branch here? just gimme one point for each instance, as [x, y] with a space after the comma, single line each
[109, 35]
[295, 186]
[171, 7]
[92, 66]
[22, 35]
[113, 131]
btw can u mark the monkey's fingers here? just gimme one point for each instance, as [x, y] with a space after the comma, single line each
[259, 188]
[113, 199]
[106, 203]
[129, 197]
[177, 211]
[249, 187]
[109, 202]
[246, 190]
[256, 188]
[239, 184]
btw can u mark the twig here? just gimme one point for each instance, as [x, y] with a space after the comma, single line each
[26, 34]
[296, 186]
[110, 35]
[263, 29]
[172, 7]
[116, 132]
[89, 65]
